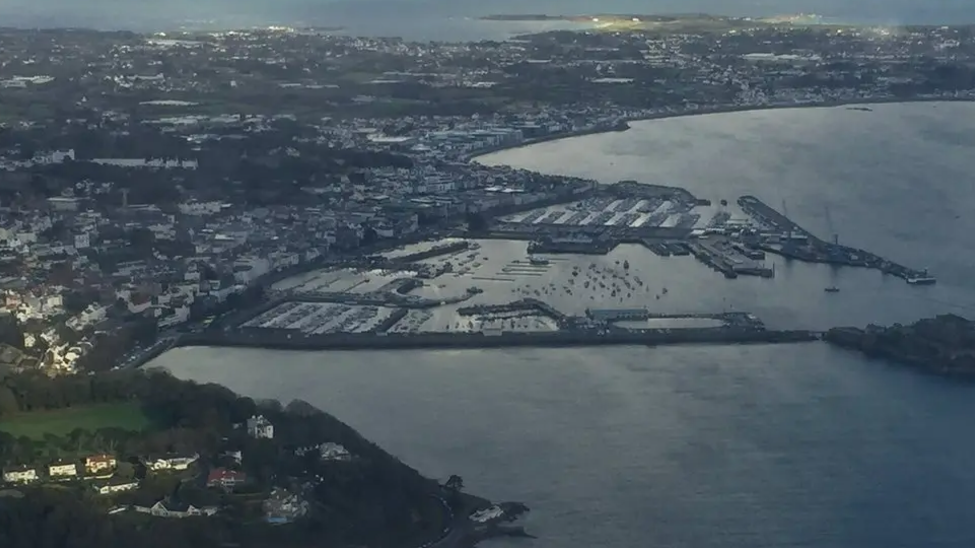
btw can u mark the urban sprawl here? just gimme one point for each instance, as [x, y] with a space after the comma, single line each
[152, 183]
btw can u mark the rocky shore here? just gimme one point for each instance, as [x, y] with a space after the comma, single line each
[943, 345]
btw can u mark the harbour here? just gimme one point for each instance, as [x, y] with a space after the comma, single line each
[704, 442]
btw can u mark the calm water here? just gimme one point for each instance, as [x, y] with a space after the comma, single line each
[746, 447]
[443, 19]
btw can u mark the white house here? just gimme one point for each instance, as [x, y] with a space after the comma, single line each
[23, 474]
[160, 510]
[171, 463]
[259, 427]
[63, 470]
[116, 486]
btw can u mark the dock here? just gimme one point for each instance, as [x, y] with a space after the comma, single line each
[794, 242]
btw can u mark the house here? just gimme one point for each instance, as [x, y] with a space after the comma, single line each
[259, 427]
[62, 470]
[333, 451]
[22, 474]
[115, 486]
[176, 462]
[226, 479]
[99, 463]
[328, 451]
[283, 506]
[162, 510]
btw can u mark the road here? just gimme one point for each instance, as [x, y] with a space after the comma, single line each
[139, 357]
[454, 533]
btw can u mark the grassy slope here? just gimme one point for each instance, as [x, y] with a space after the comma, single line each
[128, 416]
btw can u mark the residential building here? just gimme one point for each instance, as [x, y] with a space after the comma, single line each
[333, 451]
[283, 506]
[176, 463]
[226, 479]
[327, 451]
[23, 474]
[62, 470]
[115, 486]
[259, 427]
[96, 464]
[162, 510]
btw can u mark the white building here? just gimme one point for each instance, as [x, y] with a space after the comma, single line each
[63, 470]
[109, 487]
[259, 427]
[82, 241]
[334, 451]
[20, 475]
[171, 463]
[200, 208]
[160, 510]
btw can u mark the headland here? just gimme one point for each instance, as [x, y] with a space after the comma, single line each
[943, 345]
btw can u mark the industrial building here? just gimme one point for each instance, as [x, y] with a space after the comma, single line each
[617, 314]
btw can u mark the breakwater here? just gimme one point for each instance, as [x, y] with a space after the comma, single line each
[284, 339]
[802, 245]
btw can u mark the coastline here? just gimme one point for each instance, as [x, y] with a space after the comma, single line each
[714, 109]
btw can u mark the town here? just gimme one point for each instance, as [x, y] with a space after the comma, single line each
[150, 183]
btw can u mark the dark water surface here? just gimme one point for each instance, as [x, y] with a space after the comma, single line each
[785, 446]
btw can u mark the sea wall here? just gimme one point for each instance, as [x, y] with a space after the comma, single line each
[284, 339]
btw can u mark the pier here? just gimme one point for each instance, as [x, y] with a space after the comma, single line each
[794, 242]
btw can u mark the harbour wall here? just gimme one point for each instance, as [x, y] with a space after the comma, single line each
[284, 339]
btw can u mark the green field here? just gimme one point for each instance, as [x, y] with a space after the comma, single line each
[60, 422]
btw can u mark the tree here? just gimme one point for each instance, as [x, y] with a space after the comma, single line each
[454, 483]
[8, 401]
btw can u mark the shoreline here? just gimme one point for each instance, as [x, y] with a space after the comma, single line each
[712, 109]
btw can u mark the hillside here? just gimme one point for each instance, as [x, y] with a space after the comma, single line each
[144, 459]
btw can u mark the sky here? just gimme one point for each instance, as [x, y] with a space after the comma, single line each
[386, 14]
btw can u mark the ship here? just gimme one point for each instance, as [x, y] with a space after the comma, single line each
[538, 261]
[832, 289]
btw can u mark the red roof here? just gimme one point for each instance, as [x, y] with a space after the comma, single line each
[222, 475]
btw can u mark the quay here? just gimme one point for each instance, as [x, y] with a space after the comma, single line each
[523, 305]
[284, 339]
[795, 242]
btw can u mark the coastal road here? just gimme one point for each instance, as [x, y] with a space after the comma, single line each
[140, 357]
